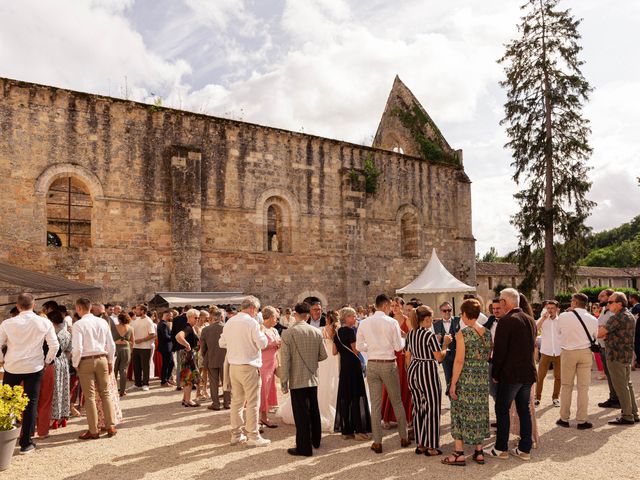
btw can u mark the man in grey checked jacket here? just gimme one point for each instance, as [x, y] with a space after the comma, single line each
[302, 348]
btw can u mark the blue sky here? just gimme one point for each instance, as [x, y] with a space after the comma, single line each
[326, 67]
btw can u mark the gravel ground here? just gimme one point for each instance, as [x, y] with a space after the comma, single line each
[161, 439]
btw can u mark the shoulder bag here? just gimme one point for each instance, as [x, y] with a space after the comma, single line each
[595, 348]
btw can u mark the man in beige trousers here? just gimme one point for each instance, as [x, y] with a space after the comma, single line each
[92, 353]
[244, 341]
[576, 359]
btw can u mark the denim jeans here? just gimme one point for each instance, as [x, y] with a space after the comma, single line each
[507, 393]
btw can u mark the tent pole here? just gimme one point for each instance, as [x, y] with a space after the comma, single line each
[453, 303]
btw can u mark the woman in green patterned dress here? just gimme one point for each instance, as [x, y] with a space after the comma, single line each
[470, 387]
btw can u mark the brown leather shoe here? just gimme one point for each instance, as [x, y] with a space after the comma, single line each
[111, 432]
[376, 447]
[405, 442]
[89, 436]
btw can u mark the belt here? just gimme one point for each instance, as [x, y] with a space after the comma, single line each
[382, 361]
[89, 357]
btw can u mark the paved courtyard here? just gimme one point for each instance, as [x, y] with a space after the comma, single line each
[161, 439]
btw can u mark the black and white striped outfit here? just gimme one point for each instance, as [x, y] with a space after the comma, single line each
[424, 384]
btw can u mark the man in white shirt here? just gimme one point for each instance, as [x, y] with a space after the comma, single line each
[24, 335]
[92, 353]
[144, 333]
[379, 335]
[576, 359]
[244, 342]
[549, 351]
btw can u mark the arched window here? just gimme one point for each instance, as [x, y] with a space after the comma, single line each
[274, 229]
[409, 231]
[68, 213]
[398, 149]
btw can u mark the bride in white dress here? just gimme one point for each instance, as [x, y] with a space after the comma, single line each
[328, 376]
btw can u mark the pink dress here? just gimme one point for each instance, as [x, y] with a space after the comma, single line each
[268, 393]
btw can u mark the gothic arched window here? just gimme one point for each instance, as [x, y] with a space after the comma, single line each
[274, 229]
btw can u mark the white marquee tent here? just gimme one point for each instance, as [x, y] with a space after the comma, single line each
[435, 285]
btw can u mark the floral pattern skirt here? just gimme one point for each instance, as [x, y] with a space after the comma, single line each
[188, 366]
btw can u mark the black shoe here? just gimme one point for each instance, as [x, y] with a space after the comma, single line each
[621, 421]
[562, 423]
[585, 425]
[316, 446]
[296, 453]
[494, 425]
[636, 419]
[609, 404]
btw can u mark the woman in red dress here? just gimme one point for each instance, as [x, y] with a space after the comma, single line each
[388, 416]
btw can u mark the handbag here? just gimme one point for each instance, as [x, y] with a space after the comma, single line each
[595, 348]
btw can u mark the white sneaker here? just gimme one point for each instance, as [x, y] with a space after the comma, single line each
[556, 402]
[495, 453]
[236, 440]
[516, 452]
[258, 442]
[145, 388]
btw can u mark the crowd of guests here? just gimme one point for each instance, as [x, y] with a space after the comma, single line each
[354, 371]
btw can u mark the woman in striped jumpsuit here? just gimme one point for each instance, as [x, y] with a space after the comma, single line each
[422, 356]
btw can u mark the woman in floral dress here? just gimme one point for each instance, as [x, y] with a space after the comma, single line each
[60, 410]
[470, 386]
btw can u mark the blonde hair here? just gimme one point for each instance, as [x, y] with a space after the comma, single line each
[344, 313]
[417, 315]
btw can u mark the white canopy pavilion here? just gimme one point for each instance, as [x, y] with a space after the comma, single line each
[435, 285]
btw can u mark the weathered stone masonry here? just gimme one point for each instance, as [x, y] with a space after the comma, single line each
[180, 201]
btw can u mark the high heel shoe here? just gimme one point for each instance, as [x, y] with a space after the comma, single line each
[63, 423]
[54, 425]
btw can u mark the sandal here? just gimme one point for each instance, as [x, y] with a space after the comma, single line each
[421, 451]
[476, 455]
[456, 459]
[432, 452]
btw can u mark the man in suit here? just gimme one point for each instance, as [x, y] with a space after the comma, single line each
[302, 348]
[316, 318]
[449, 325]
[214, 356]
[514, 371]
[165, 348]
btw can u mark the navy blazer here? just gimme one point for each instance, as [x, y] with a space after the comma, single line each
[438, 328]
[165, 343]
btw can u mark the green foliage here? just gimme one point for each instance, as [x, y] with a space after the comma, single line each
[157, 104]
[593, 292]
[353, 176]
[491, 256]
[498, 288]
[548, 135]
[371, 174]
[415, 120]
[563, 297]
[614, 236]
[13, 402]
[625, 254]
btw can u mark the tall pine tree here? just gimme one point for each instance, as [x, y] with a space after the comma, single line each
[548, 136]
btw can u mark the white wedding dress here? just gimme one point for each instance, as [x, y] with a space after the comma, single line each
[328, 376]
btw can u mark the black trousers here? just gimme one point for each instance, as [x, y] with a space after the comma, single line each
[141, 358]
[167, 366]
[447, 366]
[306, 414]
[31, 383]
[613, 396]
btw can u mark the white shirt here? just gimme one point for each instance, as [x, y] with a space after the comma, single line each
[571, 334]
[482, 319]
[604, 317]
[143, 327]
[91, 336]
[244, 341]
[379, 335]
[68, 321]
[549, 339]
[24, 335]
[114, 319]
[446, 324]
[315, 323]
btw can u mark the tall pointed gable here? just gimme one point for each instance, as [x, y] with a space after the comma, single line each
[406, 127]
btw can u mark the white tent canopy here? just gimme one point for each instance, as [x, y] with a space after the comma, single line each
[435, 278]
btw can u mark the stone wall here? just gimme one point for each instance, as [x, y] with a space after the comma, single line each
[180, 202]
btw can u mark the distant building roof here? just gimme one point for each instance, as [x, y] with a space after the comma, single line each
[504, 269]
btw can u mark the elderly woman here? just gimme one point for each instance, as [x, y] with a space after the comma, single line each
[353, 418]
[268, 393]
[422, 355]
[188, 357]
[470, 386]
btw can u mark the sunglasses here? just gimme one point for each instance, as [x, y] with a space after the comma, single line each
[446, 311]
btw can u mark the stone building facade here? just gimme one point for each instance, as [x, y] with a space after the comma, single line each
[490, 275]
[137, 199]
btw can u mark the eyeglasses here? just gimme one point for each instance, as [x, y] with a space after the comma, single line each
[446, 311]
[613, 301]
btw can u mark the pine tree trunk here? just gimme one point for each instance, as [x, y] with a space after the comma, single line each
[549, 254]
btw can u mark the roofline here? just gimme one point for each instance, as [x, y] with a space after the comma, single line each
[346, 143]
